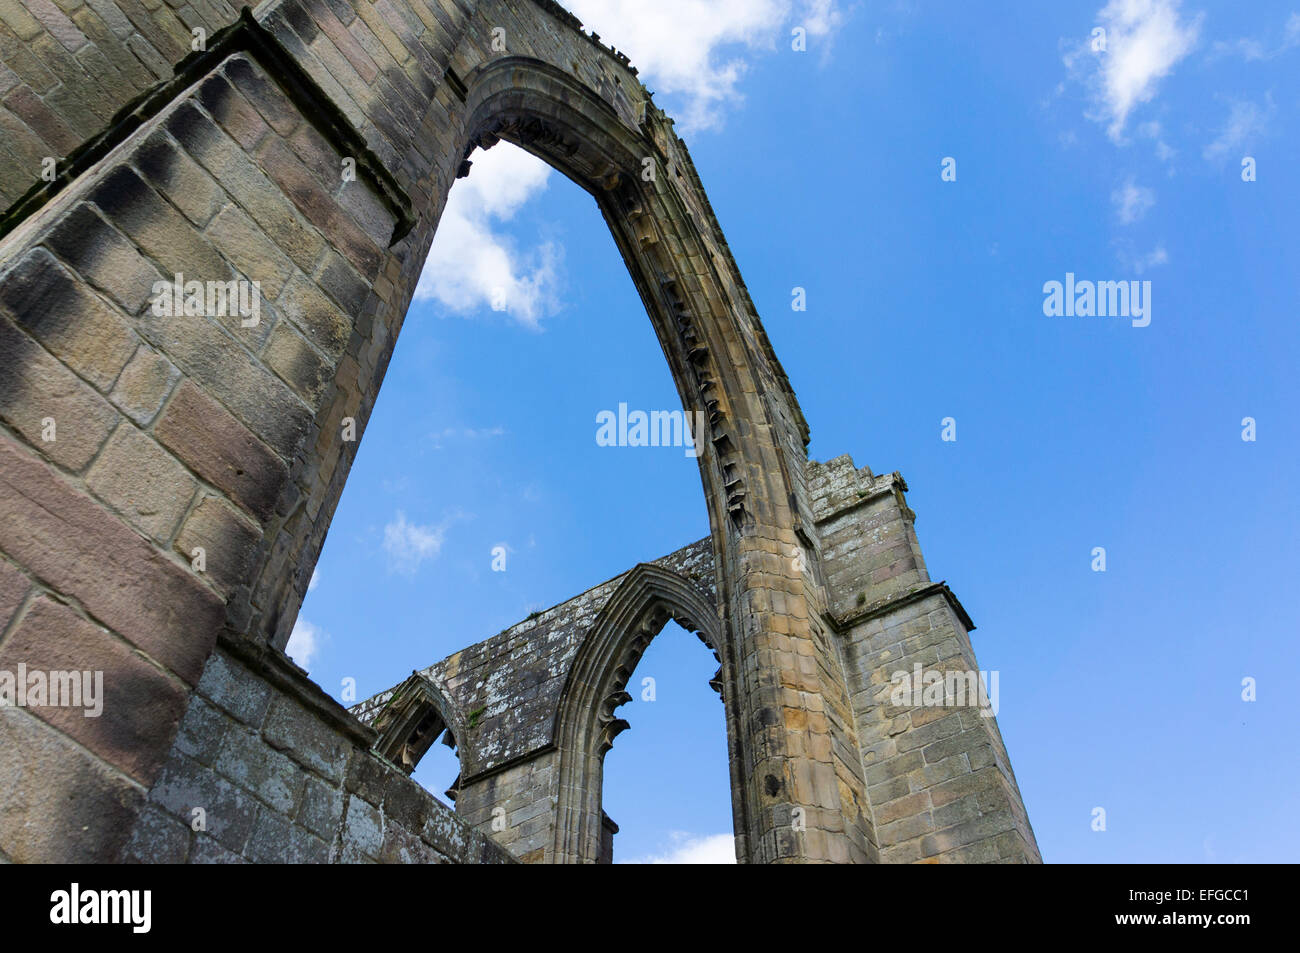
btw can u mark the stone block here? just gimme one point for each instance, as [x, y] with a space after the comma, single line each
[194, 794]
[103, 257]
[246, 760]
[163, 233]
[80, 329]
[363, 828]
[180, 178]
[228, 540]
[68, 539]
[222, 450]
[235, 690]
[239, 239]
[305, 738]
[298, 363]
[142, 482]
[321, 809]
[201, 731]
[140, 708]
[158, 838]
[59, 804]
[144, 384]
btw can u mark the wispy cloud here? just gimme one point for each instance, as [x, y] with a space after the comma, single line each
[1132, 202]
[688, 849]
[409, 544]
[448, 434]
[1250, 49]
[698, 50]
[1145, 39]
[1152, 130]
[1140, 262]
[472, 264]
[1246, 122]
[304, 642]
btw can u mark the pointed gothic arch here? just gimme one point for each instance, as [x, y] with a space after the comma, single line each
[586, 722]
[416, 715]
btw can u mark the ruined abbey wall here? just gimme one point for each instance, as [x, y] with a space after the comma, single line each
[167, 480]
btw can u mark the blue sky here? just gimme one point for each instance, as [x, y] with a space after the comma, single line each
[925, 300]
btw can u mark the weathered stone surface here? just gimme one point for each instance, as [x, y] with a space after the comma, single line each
[212, 358]
[132, 723]
[232, 687]
[158, 838]
[180, 179]
[144, 384]
[318, 318]
[202, 731]
[221, 450]
[301, 366]
[291, 728]
[102, 256]
[225, 811]
[246, 246]
[40, 398]
[227, 538]
[68, 539]
[321, 808]
[70, 320]
[161, 232]
[14, 586]
[143, 482]
[58, 804]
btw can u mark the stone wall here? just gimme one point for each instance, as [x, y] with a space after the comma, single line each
[282, 774]
[69, 67]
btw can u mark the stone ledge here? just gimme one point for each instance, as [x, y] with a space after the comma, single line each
[279, 670]
[884, 485]
[845, 622]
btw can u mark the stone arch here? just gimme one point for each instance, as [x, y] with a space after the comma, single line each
[724, 368]
[586, 722]
[416, 715]
[552, 115]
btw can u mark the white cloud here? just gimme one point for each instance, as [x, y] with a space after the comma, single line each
[471, 265]
[686, 849]
[1246, 122]
[1145, 39]
[408, 544]
[1132, 201]
[696, 49]
[304, 642]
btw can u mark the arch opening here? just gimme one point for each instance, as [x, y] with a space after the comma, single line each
[665, 785]
[416, 717]
[587, 719]
[725, 375]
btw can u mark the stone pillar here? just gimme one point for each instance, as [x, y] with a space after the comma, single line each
[939, 778]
